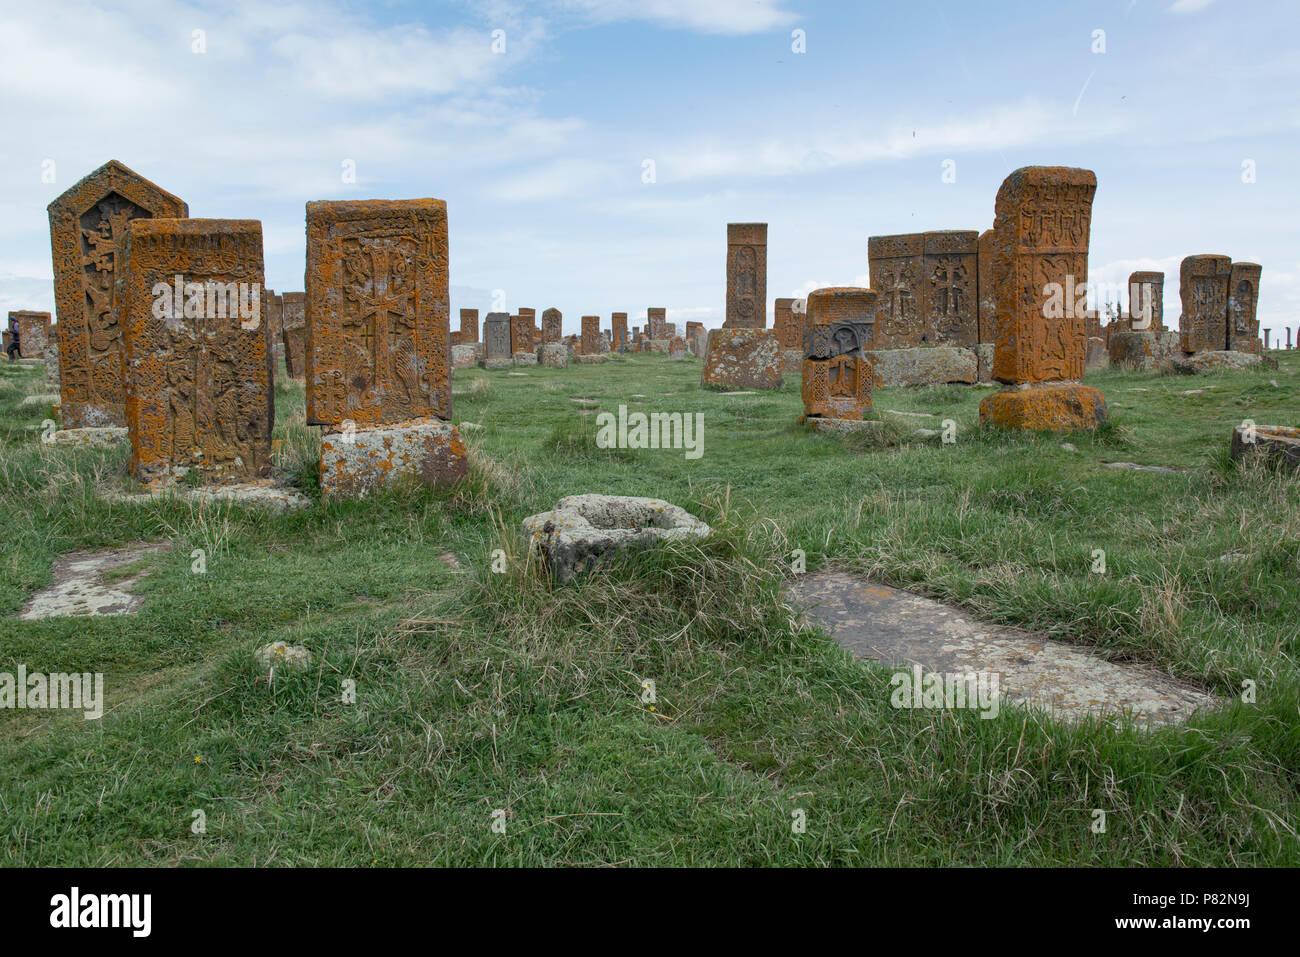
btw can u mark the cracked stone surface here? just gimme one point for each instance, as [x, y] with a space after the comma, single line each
[898, 628]
[79, 587]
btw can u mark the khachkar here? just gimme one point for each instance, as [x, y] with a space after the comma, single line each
[523, 349]
[467, 335]
[656, 322]
[836, 371]
[87, 232]
[496, 341]
[929, 288]
[378, 374]
[293, 331]
[618, 330]
[552, 326]
[1219, 300]
[746, 276]
[1138, 338]
[744, 354]
[195, 350]
[33, 331]
[592, 342]
[1041, 225]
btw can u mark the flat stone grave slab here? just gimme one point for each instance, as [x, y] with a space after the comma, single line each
[900, 629]
[79, 586]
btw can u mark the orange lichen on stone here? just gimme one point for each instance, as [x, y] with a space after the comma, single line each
[377, 312]
[746, 277]
[1243, 297]
[1052, 406]
[590, 335]
[521, 334]
[87, 232]
[618, 330]
[836, 373]
[293, 331]
[33, 330]
[467, 334]
[656, 320]
[195, 349]
[1043, 218]
[785, 323]
[1203, 283]
[552, 326]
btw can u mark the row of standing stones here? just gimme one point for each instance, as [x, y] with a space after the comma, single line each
[155, 337]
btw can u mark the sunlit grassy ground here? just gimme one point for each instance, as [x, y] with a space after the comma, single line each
[477, 692]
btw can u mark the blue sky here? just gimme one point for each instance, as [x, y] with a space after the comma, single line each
[540, 150]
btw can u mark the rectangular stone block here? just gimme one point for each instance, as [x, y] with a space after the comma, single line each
[468, 332]
[496, 336]
[1146, 303]
[746, 276]
[293, 331]
[787, 325]
[33, 331]
[590, 335]
[618, 330]
[929, 288]
[521, 334]
[1203, 287]
[836, 371]
[656, 319]
[552, 326]
[1243, 297]
[195, 348]
[87, 232]
[1043, 218]
[378, 312]
[987, 297]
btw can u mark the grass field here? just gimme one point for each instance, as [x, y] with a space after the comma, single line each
[484, 697]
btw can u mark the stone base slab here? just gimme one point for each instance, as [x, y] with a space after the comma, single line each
[1142, 350]
[553, 355]
[524, 358]
[261, 493]
[428, 450]
[591, 360]
[95, 437]
[498, 362]
[1046, 406]
[1279, 444]
[839, 426]
[1222, 361]
[742, 359]
[464, 356]
[924, 365]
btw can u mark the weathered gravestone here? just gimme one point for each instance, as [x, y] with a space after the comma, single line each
[33, 329]
[293, 329]
[928, 285]
[1203, 286]
[746, 276]
[655, 322]
[590, 346]
[1041, 228]
[195, 350]
[837, 374]
[1243, 296]
[273, 310]
[521, 335]
[618, 330]
[378, 372]
[87, 232]
[467, 334]
[552, 326]
[496, 341]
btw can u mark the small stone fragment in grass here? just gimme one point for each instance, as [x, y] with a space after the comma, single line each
[282, 654]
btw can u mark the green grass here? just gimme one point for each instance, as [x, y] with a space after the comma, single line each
[480, 691]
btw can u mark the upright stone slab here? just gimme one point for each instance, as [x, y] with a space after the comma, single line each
[1146, 303]
[655, 322]
[273, 310]
[1041, 231]
[618, 330]
[52, 358]
[837, 374]
[521, 335]
[378, 350]
[987, 300]
[552, 326]
[87, 232]
[1243, 297]
[33, 331]
[196, 350]
[929, 284]
[742, 359]
[1203, 287]
[746, 276]
[467, 334]
[787, 326]
[496, 341]
[293, 328]
[590, 335]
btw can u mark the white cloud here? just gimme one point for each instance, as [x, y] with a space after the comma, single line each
[1189, 6]
[735, 17]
